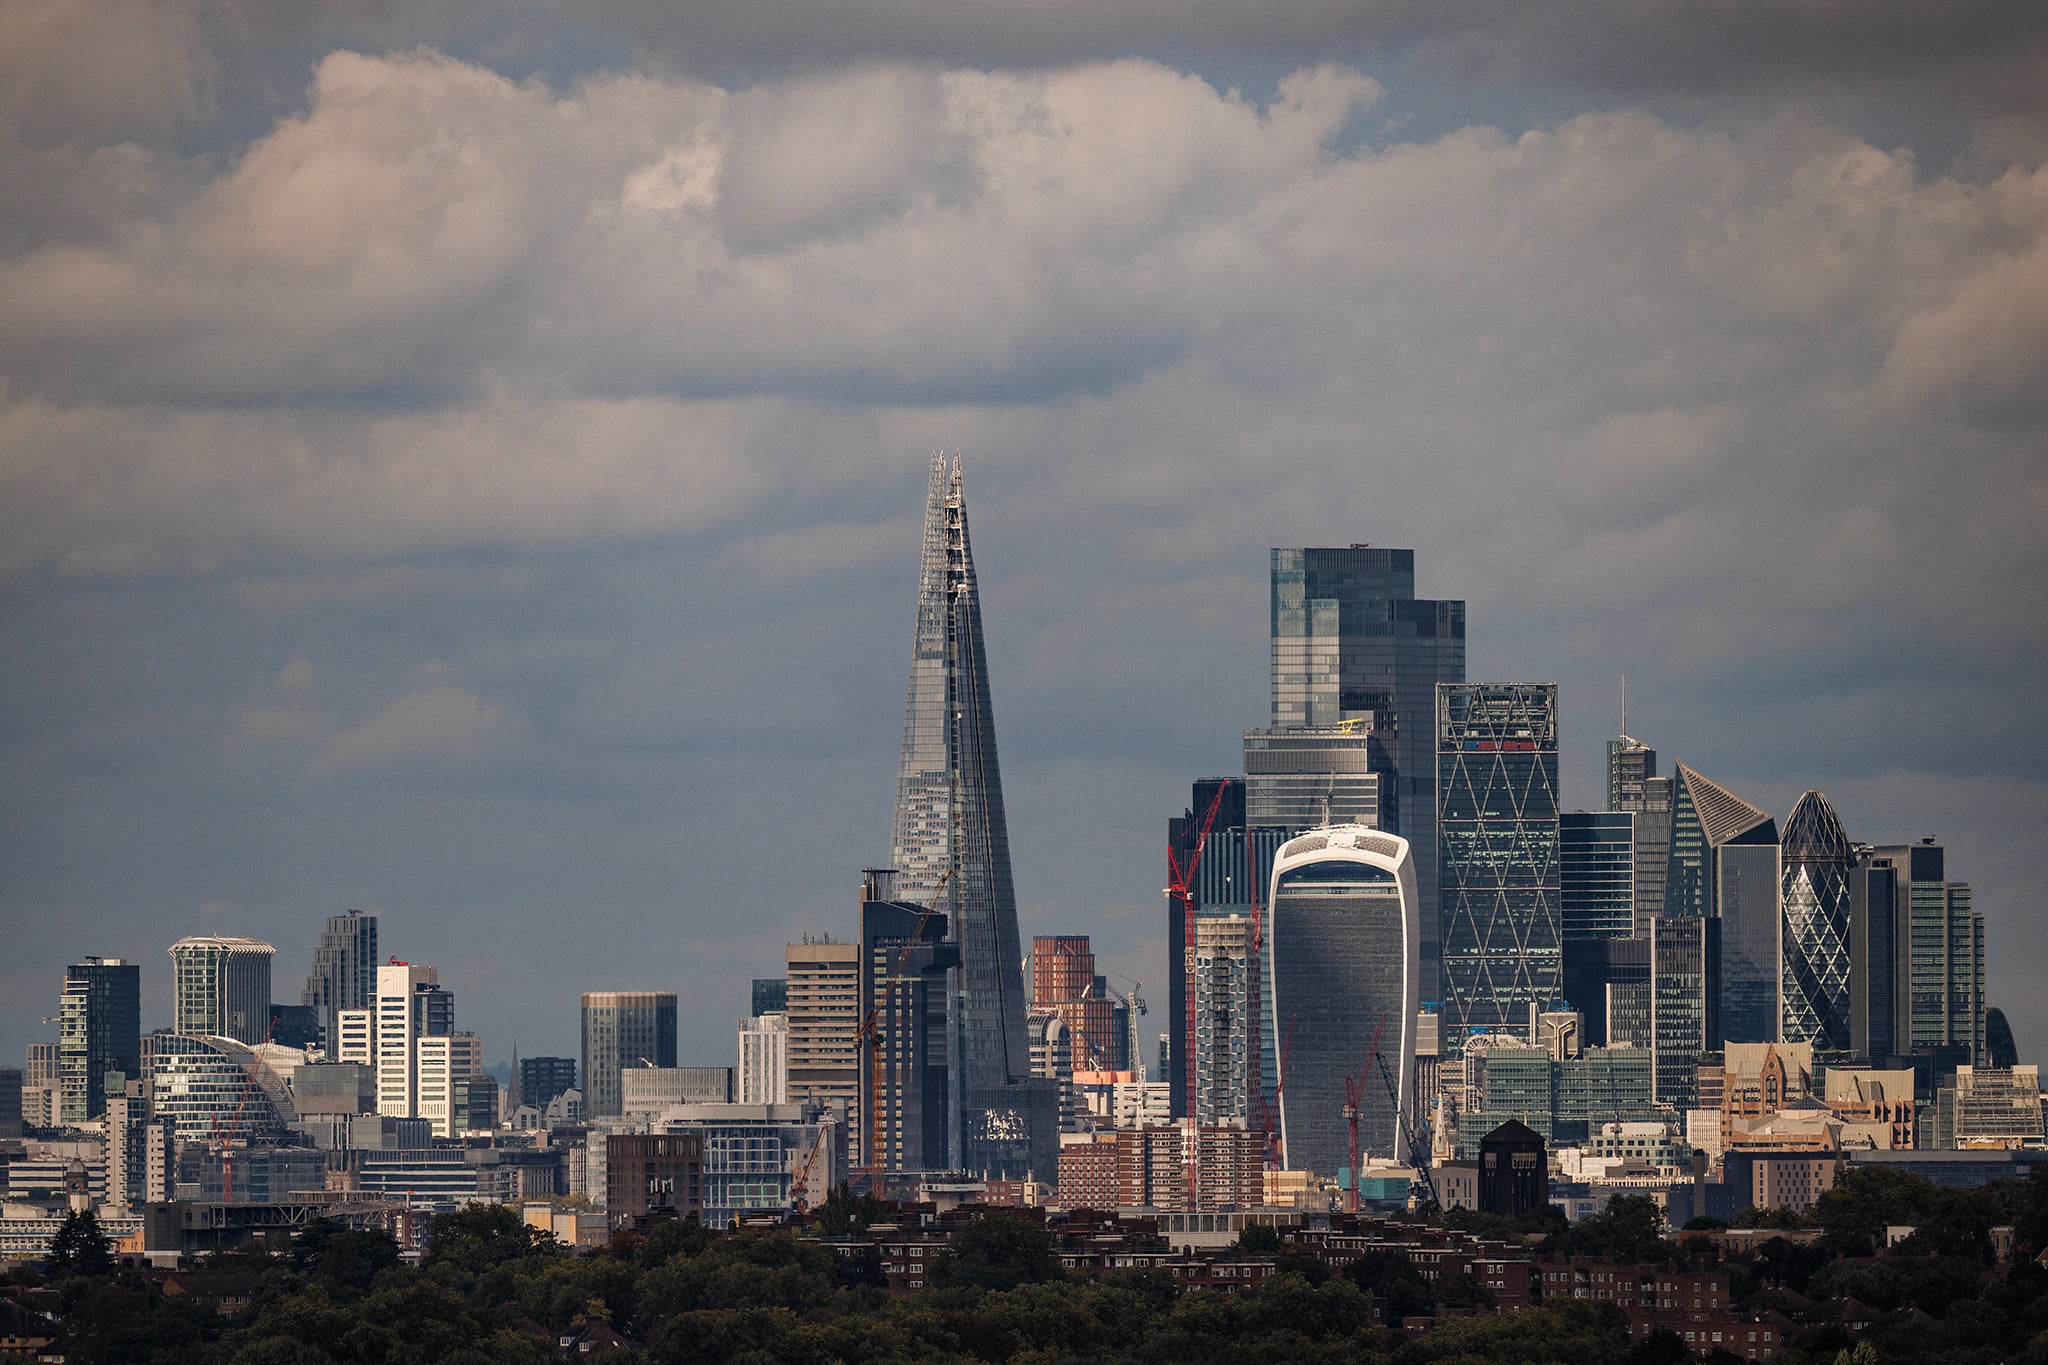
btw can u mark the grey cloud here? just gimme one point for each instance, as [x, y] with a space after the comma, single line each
[611, 397]
[1983, 57]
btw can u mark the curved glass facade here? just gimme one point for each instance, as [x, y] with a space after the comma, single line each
[1816, 972]
[215, 1088]
[1342, 967]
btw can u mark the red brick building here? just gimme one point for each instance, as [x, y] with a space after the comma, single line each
[1147, 1168]
[1063, 983]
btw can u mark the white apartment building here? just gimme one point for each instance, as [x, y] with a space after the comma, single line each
[764, 1060]
[408, 1037]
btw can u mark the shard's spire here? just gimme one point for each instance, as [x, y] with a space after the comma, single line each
[949, 796]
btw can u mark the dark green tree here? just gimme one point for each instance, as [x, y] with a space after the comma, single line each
[1394, 1283]
[481, 1237]
[1258, 1239]
[997, 1250]
[341, 1260]
[80, 1247]
[1630, 1228]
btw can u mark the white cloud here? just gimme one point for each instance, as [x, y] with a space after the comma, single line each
[438, 727]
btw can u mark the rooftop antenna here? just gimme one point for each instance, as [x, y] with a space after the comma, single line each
[1624, 703]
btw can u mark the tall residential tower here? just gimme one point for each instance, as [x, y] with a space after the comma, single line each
[100, 1030]
[344, 974]
[221, 988]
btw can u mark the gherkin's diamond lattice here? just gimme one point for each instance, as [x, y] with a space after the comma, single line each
[1817, 860]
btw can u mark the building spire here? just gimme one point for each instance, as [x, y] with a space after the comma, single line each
[949, 805]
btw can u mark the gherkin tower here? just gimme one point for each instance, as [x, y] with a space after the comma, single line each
[1817, 863]
[949, 818]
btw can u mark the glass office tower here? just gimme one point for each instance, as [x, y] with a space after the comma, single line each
[1941, 953]
[1818, 864]
[949, 818]
[1341, 971]
[1300, 778]
[1596, 874]
[1630, 763]
[1497, 829]
[905, 961]
[622, 1029]
[1685, 1002]
[1351, 639]
[1725, 866]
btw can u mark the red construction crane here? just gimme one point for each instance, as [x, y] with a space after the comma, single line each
[1178, 880]
[1269, 1123]
[221, 1141]
[1354, 1100]
[799, 1188]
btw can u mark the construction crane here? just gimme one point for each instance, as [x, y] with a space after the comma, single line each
[871, 1156]
[1135, 1008]
[1354, 1100]
[799, 1188]
[1269, 1122]
[1418, 1152]
[221, 1142]
[1179, 879]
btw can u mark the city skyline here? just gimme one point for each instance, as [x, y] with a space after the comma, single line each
[461, 464]
[498, 1053]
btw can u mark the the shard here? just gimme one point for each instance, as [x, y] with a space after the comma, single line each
[949, 818]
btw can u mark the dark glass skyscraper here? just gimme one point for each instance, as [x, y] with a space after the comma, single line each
[949, 818]
[1941, 952]
[99, 1030]
[1685, 957]
[1496, 763]
[1725, 867]
[1876, 933]
[1596, 874]
[905, 960]
[622, 1029]
[1351, 639]
[1818, 863]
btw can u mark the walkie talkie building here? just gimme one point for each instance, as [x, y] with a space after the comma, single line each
[1342, 966]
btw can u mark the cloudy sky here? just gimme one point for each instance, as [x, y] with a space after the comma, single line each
[462, 460]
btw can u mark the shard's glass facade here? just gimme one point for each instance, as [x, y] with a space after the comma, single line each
[1818, 862]
[949, 818]
[1497, 830]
